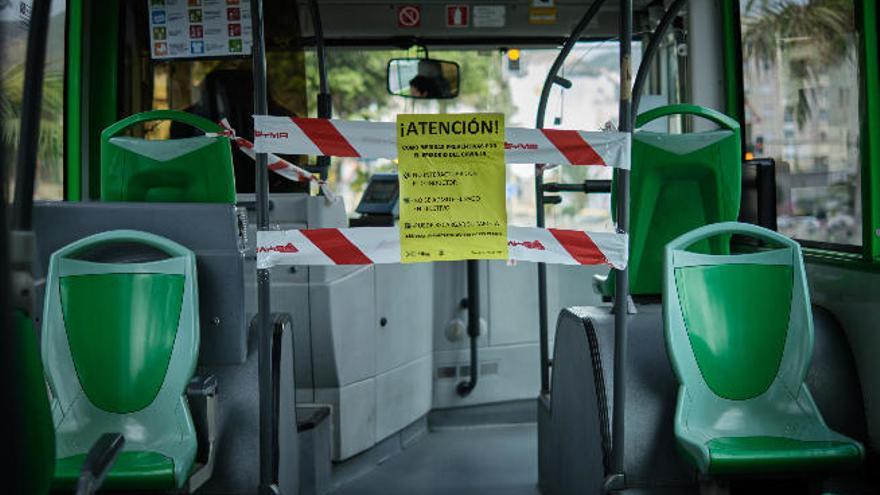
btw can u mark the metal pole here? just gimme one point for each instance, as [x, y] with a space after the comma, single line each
[473, 328]
[31, 109]
[651, 50]
[16, 250]
[268, 478]
[325, 103]
[543, 330]
[560, 59]
[617, 480]
[544, 338]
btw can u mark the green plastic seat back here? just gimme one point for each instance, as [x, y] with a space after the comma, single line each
[120, 342]
[189, 170]
[739, 333]
[38, 459]
[678, 182]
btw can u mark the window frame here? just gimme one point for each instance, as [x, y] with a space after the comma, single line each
[867, 22]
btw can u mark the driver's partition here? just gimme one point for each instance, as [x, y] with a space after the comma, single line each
[739, 332]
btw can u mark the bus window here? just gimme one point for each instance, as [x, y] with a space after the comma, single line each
[50, 164]
[801, 87]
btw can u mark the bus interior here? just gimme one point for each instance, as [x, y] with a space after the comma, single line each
[148, 348]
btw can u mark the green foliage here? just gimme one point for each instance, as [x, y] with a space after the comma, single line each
[51, 141]
[358, 86]
[816, 34]
[356, 79]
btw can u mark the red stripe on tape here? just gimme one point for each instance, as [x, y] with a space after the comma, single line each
[580, 246]
[244, 143]
[572, 145]
[277, 166]
[336, 246]
[326, 137]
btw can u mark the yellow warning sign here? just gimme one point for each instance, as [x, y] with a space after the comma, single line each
[542, 15]
[452, 185]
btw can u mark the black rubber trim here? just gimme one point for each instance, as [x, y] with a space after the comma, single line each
[601, 395]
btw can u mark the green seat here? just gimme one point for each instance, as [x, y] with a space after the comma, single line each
[678, 182]
[134, 470]
[189, 170]
[739, 333]
[120, 342]
[38, 459]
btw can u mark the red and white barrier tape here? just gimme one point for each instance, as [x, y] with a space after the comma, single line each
[344, 138]
[277, 164]
[380, 245]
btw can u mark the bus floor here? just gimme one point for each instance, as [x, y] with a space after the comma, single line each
[464, 460]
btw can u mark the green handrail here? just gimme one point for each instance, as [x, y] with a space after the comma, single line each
[686, 109]
[173, 115]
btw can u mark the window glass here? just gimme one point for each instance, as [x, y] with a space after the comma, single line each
[14, 16]
[489, 83]
[801, 86]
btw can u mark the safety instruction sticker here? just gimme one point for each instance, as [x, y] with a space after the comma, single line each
[452, 183]
[199, 28]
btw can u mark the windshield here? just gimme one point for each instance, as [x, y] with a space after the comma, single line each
[489, 83]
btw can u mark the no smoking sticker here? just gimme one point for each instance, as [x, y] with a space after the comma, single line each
[409, 16]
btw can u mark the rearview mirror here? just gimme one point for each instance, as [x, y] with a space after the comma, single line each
[423, 78]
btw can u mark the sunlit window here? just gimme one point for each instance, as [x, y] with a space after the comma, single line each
[801, 85]
[50, 163]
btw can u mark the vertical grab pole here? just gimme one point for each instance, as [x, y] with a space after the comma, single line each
[325, 103]
[268, 476]
[473, 327]
[543, 331]
[617, 479]
[16, 250]
[31, 110]
[651, 51]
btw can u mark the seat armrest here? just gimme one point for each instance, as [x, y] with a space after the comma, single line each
[98, 462]
[202, 395]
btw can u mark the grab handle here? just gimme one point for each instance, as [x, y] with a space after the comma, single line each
[173, 115]
[685, 109]
[686, 240]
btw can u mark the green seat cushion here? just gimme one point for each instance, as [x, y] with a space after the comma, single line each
[132, 470]
[740, 455]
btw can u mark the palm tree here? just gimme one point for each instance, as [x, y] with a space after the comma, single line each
[51, 142]
[821, 28]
